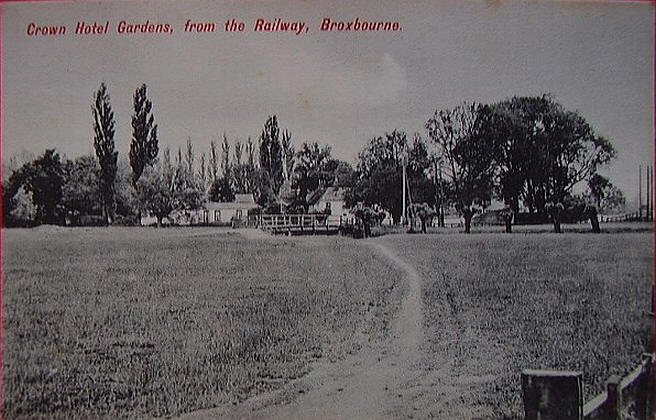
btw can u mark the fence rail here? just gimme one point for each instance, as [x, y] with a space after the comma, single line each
[627, 217]
[624, 397]
[630, 397]
[299, 223]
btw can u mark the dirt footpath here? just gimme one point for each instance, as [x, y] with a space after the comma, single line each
[385, 380]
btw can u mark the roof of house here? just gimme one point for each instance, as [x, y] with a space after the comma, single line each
[242, 201]
[327, 194]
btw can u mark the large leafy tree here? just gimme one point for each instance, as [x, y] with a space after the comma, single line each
[605, 196]
[544, 152]
[578, 154]
[422, 189]
[167, 187]
[367, 216]
[514, 137]
[380, 174]
[221, 190]
[127, 203]
[18, 207]
[379, 178]
[103, 142]
[311, 170]
[599, 186]
[424, 212]
[43, 179]
[157, 189]
[613, 201]
[564, 151]
[81, 191]
[468, 154]
[144, 145]
[10, 199]
[342, 173]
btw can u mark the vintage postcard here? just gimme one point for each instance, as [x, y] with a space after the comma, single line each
[296, 209]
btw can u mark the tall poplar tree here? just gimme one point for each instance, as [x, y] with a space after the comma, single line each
[288, 154]
[271, 154]
[144, 145]
[225, 157]
[214, 163]
[103, 142]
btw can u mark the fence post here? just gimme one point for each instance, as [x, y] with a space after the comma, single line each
[643, 403]
[552, 395]
[614, 399]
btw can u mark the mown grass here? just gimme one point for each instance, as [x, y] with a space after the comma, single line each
[496, 304]
[125, 323]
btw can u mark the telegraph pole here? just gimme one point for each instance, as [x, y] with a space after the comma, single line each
[648, 192]
[403, 213]
[639, 192]
[439, 193]
[438, 196]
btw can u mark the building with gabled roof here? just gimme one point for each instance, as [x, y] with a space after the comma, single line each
[333, 198]
[213, 213]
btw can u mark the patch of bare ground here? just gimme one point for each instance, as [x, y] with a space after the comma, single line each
[384, 380]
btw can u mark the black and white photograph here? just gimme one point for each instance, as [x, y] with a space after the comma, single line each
[348, 209]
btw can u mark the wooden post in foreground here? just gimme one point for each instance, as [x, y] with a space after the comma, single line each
[614, 399]
[552, 395]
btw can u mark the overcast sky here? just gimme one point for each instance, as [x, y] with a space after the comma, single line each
[339, 88]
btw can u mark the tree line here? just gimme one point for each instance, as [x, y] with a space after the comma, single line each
[528, 152]
[102, 189]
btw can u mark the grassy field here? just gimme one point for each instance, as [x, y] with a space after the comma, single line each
[612, 227]
[496, 304]
[132, 322]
